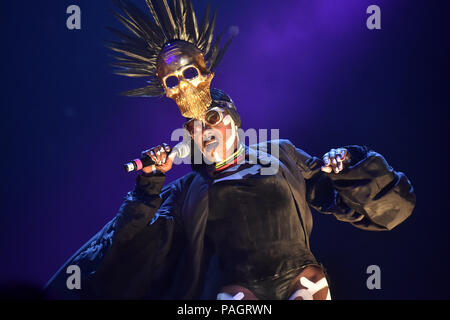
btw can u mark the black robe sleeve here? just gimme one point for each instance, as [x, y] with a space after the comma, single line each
[132, 256]
[369, 193]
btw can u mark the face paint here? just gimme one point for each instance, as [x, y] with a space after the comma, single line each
[217, 157]
[231, 135]
[216, 142]
[185, 78]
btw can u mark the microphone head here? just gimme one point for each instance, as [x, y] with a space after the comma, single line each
[182, 149]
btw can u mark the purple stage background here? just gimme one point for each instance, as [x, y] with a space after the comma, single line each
[309, 68]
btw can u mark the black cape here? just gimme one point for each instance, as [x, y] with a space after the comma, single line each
[154, 248]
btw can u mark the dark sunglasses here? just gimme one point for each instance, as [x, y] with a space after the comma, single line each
[213, 117]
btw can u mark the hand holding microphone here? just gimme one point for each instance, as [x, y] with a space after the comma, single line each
[158, 158]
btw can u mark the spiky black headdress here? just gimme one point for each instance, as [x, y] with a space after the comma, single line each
[140, 48]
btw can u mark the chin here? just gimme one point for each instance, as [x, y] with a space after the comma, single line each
[210, 155]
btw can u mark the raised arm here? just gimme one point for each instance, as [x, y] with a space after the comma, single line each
[367, 192]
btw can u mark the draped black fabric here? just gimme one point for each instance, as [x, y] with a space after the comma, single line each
[162, 244]
[254, 222]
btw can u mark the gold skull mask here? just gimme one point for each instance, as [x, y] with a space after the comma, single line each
[182, 71]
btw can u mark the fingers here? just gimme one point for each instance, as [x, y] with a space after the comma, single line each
[326, 159]
[151, 153]
[332, 156]
[159, 155]
[165, 152]
[335, 160]
[341, 153]
[326, 169]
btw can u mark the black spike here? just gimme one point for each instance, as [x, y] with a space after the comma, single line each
[204, 26]
[142, 22]
[144, 67]
[191, 21]
[156, 18]
[220, 55]
[130, 25]
[166, 18]
[130, 52]
[214, 51]
[132, 73]
[180, 10]
[148, 91]
[139, 47]
[210, 33]
[125, 37]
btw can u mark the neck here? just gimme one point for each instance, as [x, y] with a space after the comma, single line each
[233, 159]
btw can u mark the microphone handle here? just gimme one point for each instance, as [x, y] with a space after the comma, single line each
[146, 161]
[138, 164]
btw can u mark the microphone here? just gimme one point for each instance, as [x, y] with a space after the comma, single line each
[181, 150]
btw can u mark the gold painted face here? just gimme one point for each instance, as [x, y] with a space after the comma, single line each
[182, 71]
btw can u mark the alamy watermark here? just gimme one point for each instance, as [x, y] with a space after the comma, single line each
[73, 21]
[373, 22]
[261, 150]
[74, 279]
[374, 280]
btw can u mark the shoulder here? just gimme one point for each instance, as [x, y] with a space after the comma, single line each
[283, 145]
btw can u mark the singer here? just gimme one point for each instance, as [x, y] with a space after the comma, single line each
[226, 230]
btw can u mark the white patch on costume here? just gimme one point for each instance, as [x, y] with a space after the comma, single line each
[311, 289]
[227, 296]
[253, 170]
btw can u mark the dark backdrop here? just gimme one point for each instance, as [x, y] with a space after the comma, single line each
[310, 68]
